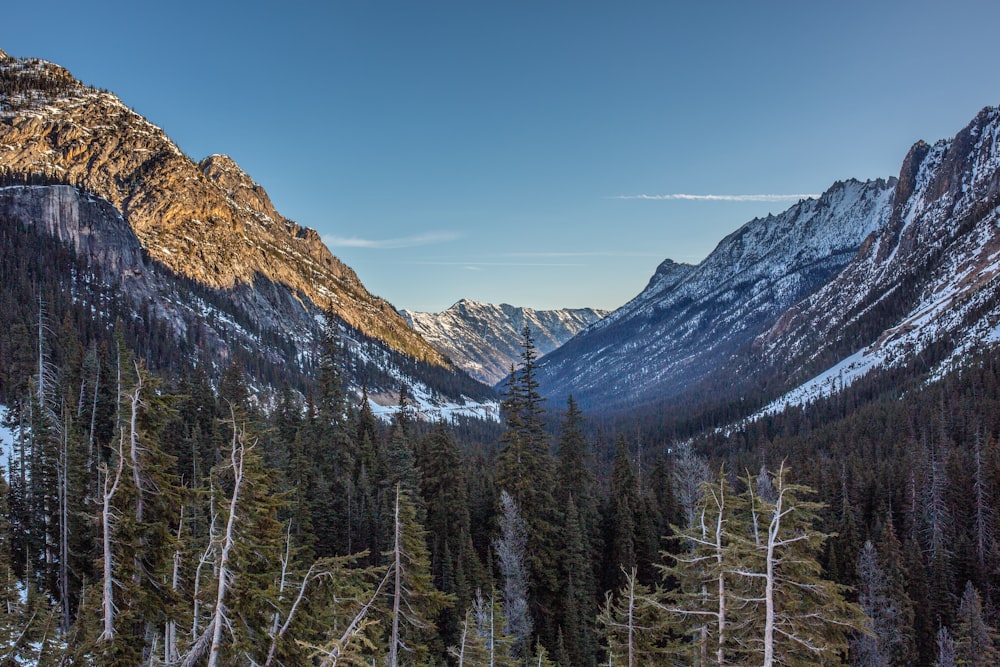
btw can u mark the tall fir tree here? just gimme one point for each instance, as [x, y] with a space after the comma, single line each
[526, 470]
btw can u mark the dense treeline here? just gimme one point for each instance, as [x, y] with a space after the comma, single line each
[165, 518]
[166, 521]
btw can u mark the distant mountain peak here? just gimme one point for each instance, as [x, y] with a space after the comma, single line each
[484, 339]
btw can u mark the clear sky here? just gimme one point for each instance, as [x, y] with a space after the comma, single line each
[494, 150]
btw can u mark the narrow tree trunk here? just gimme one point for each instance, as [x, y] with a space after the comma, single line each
[107, 601]
[170, 653]
[219, 616]
[769, 610]
[398, 587]
[63, 478]
[134, 448]
[196, 616]
[631, 619]
[720, 654]
[93, 416]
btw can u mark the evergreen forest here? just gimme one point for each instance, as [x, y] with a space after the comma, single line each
[154, 511]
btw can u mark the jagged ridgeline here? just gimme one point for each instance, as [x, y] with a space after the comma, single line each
[210, 255]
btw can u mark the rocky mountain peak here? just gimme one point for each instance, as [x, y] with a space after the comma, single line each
[209, 222]
[224, 172]
[929, 278]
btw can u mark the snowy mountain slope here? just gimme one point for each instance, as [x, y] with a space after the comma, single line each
[485, 339]
[929, 281]
[690, 319]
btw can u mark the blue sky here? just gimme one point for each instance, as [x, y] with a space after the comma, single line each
[494, 150]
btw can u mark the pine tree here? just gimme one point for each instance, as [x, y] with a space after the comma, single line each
[484, 642]
[975, 641]
[901, 646]
[748, 567]
[454, 563]
[874, 648]
[578, 611]
[511, 548]
[703, 607]
[946, 654]
[580, 539]
[330, 448]
[413, 602]
[631, 626]
[525, 469]
[798, 617]
[631, 542]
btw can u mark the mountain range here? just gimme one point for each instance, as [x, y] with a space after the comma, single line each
[868, 276]
[485, 339]
[888, 273]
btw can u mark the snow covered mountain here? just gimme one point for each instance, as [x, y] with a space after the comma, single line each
[690, 319]
[205, 224]
[926, 287]
[873, 275]
[484, 339]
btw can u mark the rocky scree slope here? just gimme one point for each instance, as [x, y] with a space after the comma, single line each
[208, 223]
[690, 319]
[485, 339]
[928, 283]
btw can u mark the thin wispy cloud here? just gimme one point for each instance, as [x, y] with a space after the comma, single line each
[427, 238]
[596, 253]
[687, 197]
[475, 266]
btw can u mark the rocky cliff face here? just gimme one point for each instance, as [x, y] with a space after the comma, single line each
[89, 225]
[690, 319]
[484, 339]
[209, 222]
[99, 235]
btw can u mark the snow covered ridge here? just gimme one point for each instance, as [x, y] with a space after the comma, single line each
[484, 339]
[690, 319]
[885, 269]
[940, 259]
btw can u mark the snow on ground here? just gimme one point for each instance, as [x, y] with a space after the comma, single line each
[6, 435]
[827, 383]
